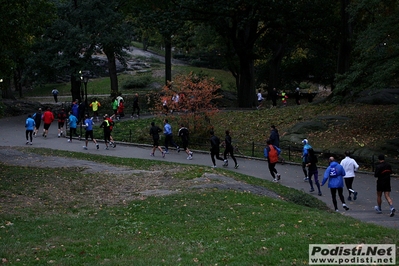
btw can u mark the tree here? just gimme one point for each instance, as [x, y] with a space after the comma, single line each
[82, 28]
[196, 101]
[21, 23]
[376, 51]
[164, 17]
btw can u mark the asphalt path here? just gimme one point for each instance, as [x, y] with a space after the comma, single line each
[12, 134]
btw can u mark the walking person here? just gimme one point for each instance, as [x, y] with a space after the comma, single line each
[334, 174]
[55, 94]
[29, 126]
[305, 150]
[88, 125]
[38, 120]
[154, 133]
[215, 148]
[229, 149]
[72, 122]
[136, 105]
[167, 131]
[350, 166]
[61, 121]
[183, 134]
[271, 153]
[48, 118]
[312, 170]
[383, 173]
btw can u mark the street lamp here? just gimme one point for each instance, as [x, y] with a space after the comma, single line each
[85, 80]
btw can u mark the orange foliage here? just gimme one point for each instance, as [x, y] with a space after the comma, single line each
[193, 97]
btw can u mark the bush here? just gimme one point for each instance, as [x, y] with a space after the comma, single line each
[137, 82]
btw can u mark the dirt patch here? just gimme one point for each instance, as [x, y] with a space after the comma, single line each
[53, 183]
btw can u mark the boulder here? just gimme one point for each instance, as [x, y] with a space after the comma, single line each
[307, 126]
[379, 97]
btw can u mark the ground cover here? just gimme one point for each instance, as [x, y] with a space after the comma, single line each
[72, 216]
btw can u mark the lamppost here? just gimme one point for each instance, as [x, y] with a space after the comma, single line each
[85, 80]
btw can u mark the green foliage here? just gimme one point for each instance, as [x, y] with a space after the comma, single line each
[137, 82]
[376, 51]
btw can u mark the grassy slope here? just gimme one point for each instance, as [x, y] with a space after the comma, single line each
[191, 228]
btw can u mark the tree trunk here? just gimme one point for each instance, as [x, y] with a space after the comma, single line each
[6, 92]
[345, 48]
[76, 85]
[275, 64]
[112, 72]
[168, 59]
[246, 88]
[17, 81]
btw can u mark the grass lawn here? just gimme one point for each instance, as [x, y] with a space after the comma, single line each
[63, 216]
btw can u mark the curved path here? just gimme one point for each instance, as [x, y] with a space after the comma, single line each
[12, 133]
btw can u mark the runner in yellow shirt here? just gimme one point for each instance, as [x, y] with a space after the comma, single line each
[94, 105]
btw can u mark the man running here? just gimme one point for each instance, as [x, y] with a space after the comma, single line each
[183, 134]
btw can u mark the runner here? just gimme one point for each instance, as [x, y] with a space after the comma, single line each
[88, 124]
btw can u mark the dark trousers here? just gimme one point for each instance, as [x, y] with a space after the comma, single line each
[334, 196]
[230, 150]
[169, 140]
[29, 133]
[215, 153]
[348, 184]
[134, 109]
[72, 131]
[272, 169]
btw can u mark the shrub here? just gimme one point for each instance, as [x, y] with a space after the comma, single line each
[136, 82]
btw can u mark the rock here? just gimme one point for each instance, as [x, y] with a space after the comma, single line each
[379, 97]
[308, 126]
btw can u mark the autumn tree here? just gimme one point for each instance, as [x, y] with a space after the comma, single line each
[196, 102]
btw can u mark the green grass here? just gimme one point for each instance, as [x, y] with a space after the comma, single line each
[47, 216]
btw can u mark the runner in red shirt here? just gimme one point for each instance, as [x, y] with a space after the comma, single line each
[48, 118]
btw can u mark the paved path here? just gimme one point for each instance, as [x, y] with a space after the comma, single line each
[12, 133]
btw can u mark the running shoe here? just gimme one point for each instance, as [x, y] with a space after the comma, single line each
[236, 166]
[278, 176]
[226, 162]
[345, 207]
[377, 209]
[98, 146]
[355, 195]
[392, 212]
[84, 147]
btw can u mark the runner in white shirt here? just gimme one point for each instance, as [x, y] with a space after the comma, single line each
[350, 166]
